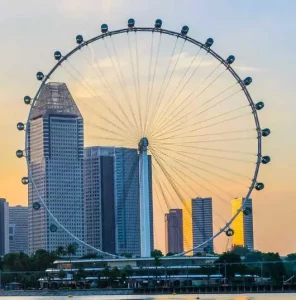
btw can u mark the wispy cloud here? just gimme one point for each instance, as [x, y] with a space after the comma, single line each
[248, 69]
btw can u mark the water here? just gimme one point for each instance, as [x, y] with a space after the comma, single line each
[165, 297]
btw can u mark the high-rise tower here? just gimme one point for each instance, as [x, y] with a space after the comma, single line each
[174, 231]
[4, 227]
[243, 224]
[128, 212]
[187, 225]
[99, 193]
[18, 229]
[112, 199]
[202, 223]
[55, 156]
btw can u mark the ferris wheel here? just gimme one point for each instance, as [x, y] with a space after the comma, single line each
[176, 101]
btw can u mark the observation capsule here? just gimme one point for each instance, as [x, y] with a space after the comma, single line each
[266, 132]
[158, 23]
[79, 39]
[248, 81]
[20, 126]
[104, 28]
[53, 228]
[247, 211]
[36, 205]
[259, 105]
[259, 186]
[57, 55]
[131, 23]
[229, 232]
[265, 159]
[39, 76]
[230, 59]
[27, 99]
[209, 42]
[184, 30]
[19, 153]
[25, 180]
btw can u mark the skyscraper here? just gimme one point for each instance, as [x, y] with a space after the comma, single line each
[174, 231]
[187, 225]
[99, 193]
[243, 224]
[111, 179]
[55, 154]
[202, 223]
[18, 229]
[127, 207]
[4, 227]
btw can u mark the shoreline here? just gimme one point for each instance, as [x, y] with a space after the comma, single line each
[129, 292]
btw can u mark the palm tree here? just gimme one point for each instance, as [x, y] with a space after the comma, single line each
[60, 251]
[71, 250]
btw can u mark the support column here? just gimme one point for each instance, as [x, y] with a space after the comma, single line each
[144, 199]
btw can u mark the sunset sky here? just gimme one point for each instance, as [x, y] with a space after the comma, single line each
[261, 34]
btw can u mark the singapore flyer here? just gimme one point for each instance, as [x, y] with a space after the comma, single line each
[131, 124]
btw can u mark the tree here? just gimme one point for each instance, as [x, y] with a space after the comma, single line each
[89, 256]
[156, 253]
[71, 249]
[255, 256]
[128, 270]
[231, 263]
[60, 251]
[170, 254]
[240, 250]
[114, 275]
[273, 267]
[41, 259]
[127, 255]
[17, 262]
[290, 265]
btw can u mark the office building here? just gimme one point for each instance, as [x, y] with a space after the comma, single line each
[99, 194]
[55, 154]
[18, 229]
[202, 224]
[174, 231]
[127, 211]
[111, 178]
[187, 226]
[4, 227]
[243, 224]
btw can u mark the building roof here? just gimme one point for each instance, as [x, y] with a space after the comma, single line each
[55, 99]
[167, 258]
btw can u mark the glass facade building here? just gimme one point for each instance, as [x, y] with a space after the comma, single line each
[55, 155]
[242, 225]
[202, 224]
[18, 229]
[111, 179]
[99, 195]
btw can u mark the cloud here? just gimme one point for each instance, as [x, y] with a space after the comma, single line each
[185, 60]
[77, 7]
[248, 69]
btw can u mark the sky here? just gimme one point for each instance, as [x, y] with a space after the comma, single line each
[259, 33]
